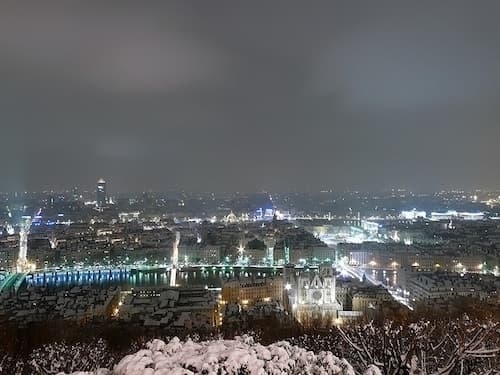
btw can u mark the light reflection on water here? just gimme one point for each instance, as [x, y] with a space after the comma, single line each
[211, 277]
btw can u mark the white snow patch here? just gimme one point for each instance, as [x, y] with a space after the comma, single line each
[230, 357]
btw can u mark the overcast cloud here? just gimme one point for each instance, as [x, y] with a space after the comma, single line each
[226, 95]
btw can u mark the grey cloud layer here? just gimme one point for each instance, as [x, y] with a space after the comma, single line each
[233, 95]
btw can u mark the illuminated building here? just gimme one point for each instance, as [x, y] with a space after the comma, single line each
[471, 215]
[436, 288]
[313, 295]
[370, 226]
[370, 299]
[413, 214]
[101, 193]
[449, 215]
[196, 254]
[270, 244]
[248, 292]
[9, 249]
[230, 218]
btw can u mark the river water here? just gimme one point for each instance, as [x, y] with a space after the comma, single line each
[210, 277]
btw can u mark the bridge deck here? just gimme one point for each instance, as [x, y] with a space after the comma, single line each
[12, 281]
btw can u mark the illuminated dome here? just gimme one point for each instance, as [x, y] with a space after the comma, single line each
[231, 218]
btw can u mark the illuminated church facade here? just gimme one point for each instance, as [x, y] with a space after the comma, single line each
[312, 295]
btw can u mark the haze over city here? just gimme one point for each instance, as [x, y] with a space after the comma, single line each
[227, 96]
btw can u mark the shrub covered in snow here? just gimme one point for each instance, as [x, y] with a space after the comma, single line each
[241, 356]
[61, 357]
[6, 362]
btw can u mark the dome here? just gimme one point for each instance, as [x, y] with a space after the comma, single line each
[231, 218]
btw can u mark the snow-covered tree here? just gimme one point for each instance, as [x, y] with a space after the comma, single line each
[61, 357]
[460, 346]
[447, 347]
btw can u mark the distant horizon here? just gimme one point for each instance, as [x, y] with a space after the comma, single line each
[111, 190]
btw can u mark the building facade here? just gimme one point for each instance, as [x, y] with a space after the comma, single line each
[101, 197]
[312, 295]
[247, 292]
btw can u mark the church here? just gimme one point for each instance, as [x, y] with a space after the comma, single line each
[312, 295]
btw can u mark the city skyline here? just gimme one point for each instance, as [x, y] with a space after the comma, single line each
[93, 187]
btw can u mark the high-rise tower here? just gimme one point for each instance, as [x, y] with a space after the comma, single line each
[175, 259]
[101, 193]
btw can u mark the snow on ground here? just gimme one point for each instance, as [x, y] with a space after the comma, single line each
[239, 356]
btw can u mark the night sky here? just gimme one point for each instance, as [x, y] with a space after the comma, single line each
[234, 95]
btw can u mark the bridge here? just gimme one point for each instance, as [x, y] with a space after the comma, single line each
[43, 277]
[12, 282]
[359, 273]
